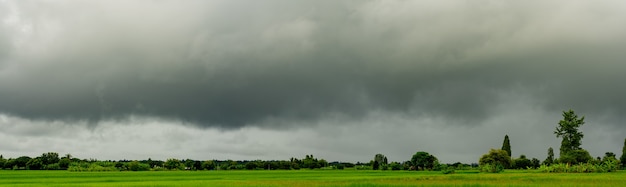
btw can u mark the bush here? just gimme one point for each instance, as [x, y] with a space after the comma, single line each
[576, 157]
[491, 168]
[136, 166]
[395, 166]
[54, 166]
[495, 161]
[340, 166]
[607, 166]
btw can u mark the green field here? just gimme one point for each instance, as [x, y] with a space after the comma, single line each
[306, 178]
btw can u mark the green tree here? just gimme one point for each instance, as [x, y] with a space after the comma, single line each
[522, 163]
[550, 158]
[35, 164]
[576, 157]
[20, 162]
[172, 163]
[609, 156]
[137, 166]
[535, 163]
[423, 160]
[506, 145]
[208, 165]
[380, 161]
[374, 164]
[50, 158]
[496, 157]
[568, 130]
[189, 164]
[623, 157]
[64, 163]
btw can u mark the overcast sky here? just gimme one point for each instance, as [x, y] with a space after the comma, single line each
[275, 79]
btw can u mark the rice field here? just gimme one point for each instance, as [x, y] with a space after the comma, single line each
[307, 178]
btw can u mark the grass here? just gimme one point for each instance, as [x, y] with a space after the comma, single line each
[307, 178]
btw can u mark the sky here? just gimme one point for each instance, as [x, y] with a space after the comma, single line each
[340, 79]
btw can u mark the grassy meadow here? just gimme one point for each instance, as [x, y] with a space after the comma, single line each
[308, 178]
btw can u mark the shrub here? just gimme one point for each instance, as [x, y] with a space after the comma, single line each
[491, 168]
[607, 166]
[395, 166]
[54, 166]
[495, 161]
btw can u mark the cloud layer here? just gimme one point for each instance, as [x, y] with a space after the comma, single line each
[292, 64]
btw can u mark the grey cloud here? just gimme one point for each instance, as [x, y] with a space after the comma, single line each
[232, 64]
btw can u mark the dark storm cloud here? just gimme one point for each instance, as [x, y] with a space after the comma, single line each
[236, 63]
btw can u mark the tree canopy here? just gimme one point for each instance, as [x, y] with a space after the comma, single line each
[568, 130]
[496, 157]
[506, 145]
[423, 160]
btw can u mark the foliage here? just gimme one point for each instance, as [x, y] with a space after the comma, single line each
[568, 130]
[173, 163]
[506, 145]
[380, 161]
[521, 163]
[576, 157]
[395, 166]
[606, 166]
[49, 158]
[550, 158]
[535, 163]
[492, 168]
[494, 159]
[423, 160]
[34, 164]
[208, 165]
[623, 157]
[92, 166]
[136, 166]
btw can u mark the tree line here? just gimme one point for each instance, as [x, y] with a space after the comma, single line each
[573, 158]
[496, 160]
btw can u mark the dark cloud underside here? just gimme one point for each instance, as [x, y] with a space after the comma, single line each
[236, 63]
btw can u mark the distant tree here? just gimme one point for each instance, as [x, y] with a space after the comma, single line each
[375, 164]
[2, 162]
[423, 160]
[535, 163]
[576, 156]
[35, 164]
[609, 156]
[496, 157]
[20, 162]
[137, 166]
[506, 145]
[395, 166]
[522, 162]
[189, 164]
[251, 165]
[64, 163]
[568, 130]
[208, 165]
[172, 163]
[50, 158]
[380, 161]
[623, 158]
[323, 163]
[550, 158]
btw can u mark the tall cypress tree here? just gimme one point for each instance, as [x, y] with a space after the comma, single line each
[550, 158]
[506, 145]
[623, 158]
